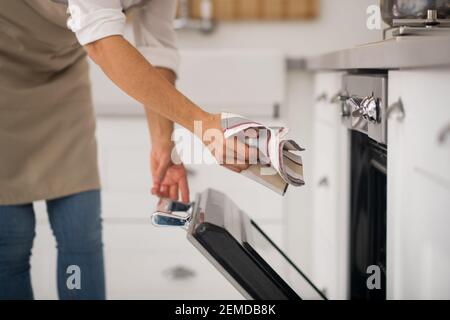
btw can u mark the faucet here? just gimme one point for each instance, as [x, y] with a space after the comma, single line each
[205, 24]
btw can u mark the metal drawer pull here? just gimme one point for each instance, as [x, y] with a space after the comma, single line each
[179, 273]
[322, 97]
[444, 134]
[323, 182]
[338, 98]
[396, 108]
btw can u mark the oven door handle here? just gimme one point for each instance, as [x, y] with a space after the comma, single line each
[171, 213]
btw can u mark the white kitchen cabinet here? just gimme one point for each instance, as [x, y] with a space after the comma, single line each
[418, 216]
[330, 189]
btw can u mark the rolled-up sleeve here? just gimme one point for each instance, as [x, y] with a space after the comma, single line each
[92, 20]
[154, 34]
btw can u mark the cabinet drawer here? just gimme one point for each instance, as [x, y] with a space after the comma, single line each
[426, 124]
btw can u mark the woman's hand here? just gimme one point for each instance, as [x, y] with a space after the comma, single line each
[169, 179]
[230, 153]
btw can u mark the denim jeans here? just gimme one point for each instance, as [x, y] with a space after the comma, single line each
[77, 226]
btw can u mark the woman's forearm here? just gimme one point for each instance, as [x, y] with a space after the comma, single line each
[131, 72]
[160, 127]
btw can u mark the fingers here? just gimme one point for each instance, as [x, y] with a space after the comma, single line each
[236, 152]
[164, 191]
[184, 190]
[238, 168]
[160, 172]
[251, 155]
[156, 189]
[173, 192]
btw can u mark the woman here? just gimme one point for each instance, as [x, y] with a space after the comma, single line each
[47, 126]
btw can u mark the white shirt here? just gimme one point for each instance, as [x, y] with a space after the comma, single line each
[152, 22]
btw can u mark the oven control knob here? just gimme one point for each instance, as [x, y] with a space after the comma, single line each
[370, 109]
[353, 107]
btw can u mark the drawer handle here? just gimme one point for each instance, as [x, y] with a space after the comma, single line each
[339, 97]
[179, 273]
[323, 182]
[396, 109]
[322, 97]
[444, 135]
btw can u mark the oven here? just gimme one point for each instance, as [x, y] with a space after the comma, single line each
[247, 257]
[237, 247]
[364, 113]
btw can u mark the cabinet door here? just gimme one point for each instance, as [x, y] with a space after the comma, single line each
[418, 242]
[330, 185]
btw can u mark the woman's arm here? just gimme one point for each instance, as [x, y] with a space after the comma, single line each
[161, 128]
[169, 178]
[131, 72]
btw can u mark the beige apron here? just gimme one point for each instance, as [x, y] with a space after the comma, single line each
[47, 125]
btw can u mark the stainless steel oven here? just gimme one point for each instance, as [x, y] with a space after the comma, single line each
[364, 112]
[237, 247]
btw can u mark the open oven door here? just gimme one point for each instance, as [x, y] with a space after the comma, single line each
[237, 247]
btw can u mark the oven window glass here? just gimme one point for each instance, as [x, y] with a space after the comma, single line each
[277, 260]
[368, 217]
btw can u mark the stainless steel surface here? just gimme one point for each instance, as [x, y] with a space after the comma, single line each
[364, 105]
[396, 53]
[171, 213]
[420, 31]
[408, 10]
[370, 109]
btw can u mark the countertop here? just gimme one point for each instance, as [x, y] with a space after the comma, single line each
[397, 53]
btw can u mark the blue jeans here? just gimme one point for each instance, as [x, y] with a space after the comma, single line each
[77, 227]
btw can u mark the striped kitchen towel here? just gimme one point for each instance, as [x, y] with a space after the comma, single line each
[278, 164]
